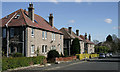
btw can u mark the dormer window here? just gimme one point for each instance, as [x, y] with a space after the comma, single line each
[16, 17]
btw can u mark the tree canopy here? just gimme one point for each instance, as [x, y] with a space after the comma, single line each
[109, 38]
[75, 48]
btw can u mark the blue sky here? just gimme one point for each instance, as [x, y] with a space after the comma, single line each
[96, 18]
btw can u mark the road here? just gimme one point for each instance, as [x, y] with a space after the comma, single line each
[107, 64]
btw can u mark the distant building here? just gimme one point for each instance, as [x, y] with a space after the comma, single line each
[25, 32]
[88, 45]
[69, 35]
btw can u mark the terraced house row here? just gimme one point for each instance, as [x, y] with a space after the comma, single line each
[25, 32]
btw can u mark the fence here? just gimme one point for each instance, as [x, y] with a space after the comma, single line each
[86, 56]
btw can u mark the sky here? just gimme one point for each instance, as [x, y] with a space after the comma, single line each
[96, 18]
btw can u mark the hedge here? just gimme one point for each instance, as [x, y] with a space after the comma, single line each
[11, 63]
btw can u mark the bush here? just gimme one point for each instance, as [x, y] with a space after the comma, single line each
[53, 54]
[11, 63]
[17, 55]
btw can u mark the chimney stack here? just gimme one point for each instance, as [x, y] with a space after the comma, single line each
[70, 30]
[31, 12]
[77, 32]
[51, 19]
[89, 37]
[85, 36]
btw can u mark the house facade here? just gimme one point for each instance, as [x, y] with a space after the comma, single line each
[27, 33]
[88, 44]
[69, 35]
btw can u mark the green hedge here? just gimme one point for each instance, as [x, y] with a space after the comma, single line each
[10, 63]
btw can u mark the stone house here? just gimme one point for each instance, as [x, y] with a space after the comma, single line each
[88, 44]
[25, 32]
[69, 35]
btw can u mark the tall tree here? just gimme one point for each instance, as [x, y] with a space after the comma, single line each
[109, 38]
[75, 48]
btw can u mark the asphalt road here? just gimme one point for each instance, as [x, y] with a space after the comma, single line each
[93, 65]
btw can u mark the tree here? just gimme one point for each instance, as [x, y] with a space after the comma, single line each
[109, 38]
[75, 48]
[101, 49]
[115, 39]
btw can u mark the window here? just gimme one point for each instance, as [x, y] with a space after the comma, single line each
[32, 32]
[17, 16]
[52, 36]
[44, 48]
[60, 36]
[45, 35]
[53, 47]
[11, 32]
[60, 49]
[4, 33]
[42, 34]
[32, 48]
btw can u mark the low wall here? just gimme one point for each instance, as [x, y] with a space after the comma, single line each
[65, 58]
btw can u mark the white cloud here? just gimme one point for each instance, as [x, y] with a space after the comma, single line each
[108, 21]
[78, 0]
[55, 1]
[71, 21]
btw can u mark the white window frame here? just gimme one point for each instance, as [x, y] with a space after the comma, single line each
[44, 49]
[53, 47]
[32, 47]
[60, 36]
[54, 36]
[43, 35]
[32, 32]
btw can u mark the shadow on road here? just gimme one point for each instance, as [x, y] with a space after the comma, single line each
[113, 59]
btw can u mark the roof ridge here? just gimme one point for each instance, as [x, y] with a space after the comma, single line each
[23, 16]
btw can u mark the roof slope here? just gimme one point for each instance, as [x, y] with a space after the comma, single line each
[67, 35]
[24, 20]
[87, 41]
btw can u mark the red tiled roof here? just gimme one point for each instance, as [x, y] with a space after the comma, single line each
[24, 20]
[67, 35]
[87, 41]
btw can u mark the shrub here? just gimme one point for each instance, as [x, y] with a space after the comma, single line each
[11, 63]
[17, 55]
[53, 54]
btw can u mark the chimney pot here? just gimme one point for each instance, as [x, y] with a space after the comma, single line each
[89, 37]
[77, 32]
[70, 30]
[85, 35]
